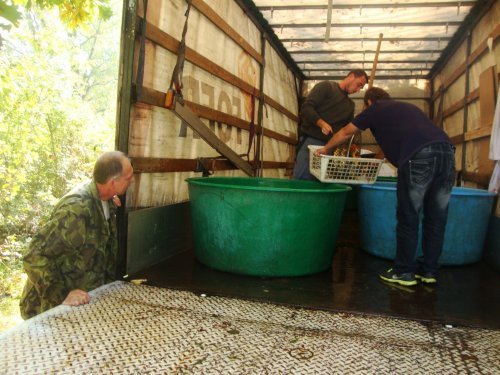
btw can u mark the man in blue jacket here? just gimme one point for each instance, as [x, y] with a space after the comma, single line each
[424, 156]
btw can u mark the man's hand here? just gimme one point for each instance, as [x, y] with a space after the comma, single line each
[321, 151]
[117, 201]
[77, 297]
[324, 126]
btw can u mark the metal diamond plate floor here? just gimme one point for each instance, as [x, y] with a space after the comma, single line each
[139, 329]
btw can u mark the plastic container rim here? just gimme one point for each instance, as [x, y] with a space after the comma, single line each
[330, 188]
[461, 191]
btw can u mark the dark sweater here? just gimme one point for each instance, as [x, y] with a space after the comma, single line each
[328, 102]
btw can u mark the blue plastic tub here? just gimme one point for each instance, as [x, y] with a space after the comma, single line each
[468, 216]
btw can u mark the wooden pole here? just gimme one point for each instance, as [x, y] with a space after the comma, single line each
[328, 21]
[375, 60]
[372, 75]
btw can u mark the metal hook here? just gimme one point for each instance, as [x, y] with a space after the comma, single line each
[200, 167]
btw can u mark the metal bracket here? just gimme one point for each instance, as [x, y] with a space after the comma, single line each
[200, 167]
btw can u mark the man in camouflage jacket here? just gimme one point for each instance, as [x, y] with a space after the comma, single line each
[75, 251]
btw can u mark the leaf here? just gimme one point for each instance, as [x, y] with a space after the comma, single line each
[105, 12]
[10, 13]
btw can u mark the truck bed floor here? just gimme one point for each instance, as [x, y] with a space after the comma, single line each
[464, 295]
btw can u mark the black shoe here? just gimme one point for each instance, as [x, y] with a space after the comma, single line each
[426, 277]
[406, 279]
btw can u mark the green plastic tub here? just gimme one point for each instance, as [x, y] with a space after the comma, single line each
[265, 226]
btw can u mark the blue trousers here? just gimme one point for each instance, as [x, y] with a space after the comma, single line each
[424, 187]
[301, 169]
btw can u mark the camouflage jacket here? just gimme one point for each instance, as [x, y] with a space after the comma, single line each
[75, 249]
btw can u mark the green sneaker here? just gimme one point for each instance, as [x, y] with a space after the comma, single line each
[427, 277]
[406, 279]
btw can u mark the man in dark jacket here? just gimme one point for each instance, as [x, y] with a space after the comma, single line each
[75, 251]
[424, 156]
[325, 110]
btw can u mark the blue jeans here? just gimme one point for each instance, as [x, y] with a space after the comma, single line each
[301, 169]
[424, 186]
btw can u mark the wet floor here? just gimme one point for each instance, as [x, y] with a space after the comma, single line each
[464, 295]
[138, 329]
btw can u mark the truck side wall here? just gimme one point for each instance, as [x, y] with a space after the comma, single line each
[222, 77]
[471, 75]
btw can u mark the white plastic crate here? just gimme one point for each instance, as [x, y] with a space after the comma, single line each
[341, 169]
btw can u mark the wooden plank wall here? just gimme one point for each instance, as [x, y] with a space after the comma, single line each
[229, 64]
[464, 97]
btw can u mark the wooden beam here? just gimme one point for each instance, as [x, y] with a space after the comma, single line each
[157, 98]
[161, 38]
[471, 135]
[162, 165]
[357, 5]
[212, 114]
[311, 51]
[277, 165]
[455, 75]
[482, 179]
[166, 165]
[218, 116]
[209, 136]
[477, 133]
[458, 105]
[457, 139]
[379, 78]
[218, 21]
[344, 62]
[365, 24]
[368, 39]
[273, 103]
[171, 44]
[482, 48]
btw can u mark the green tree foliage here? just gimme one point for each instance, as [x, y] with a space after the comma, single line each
[57, 113]
[73, 13]
[57, 109]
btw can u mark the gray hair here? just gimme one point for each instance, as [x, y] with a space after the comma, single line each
[108, 166]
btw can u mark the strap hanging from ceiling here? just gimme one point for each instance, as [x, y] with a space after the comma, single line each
[176, 80]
